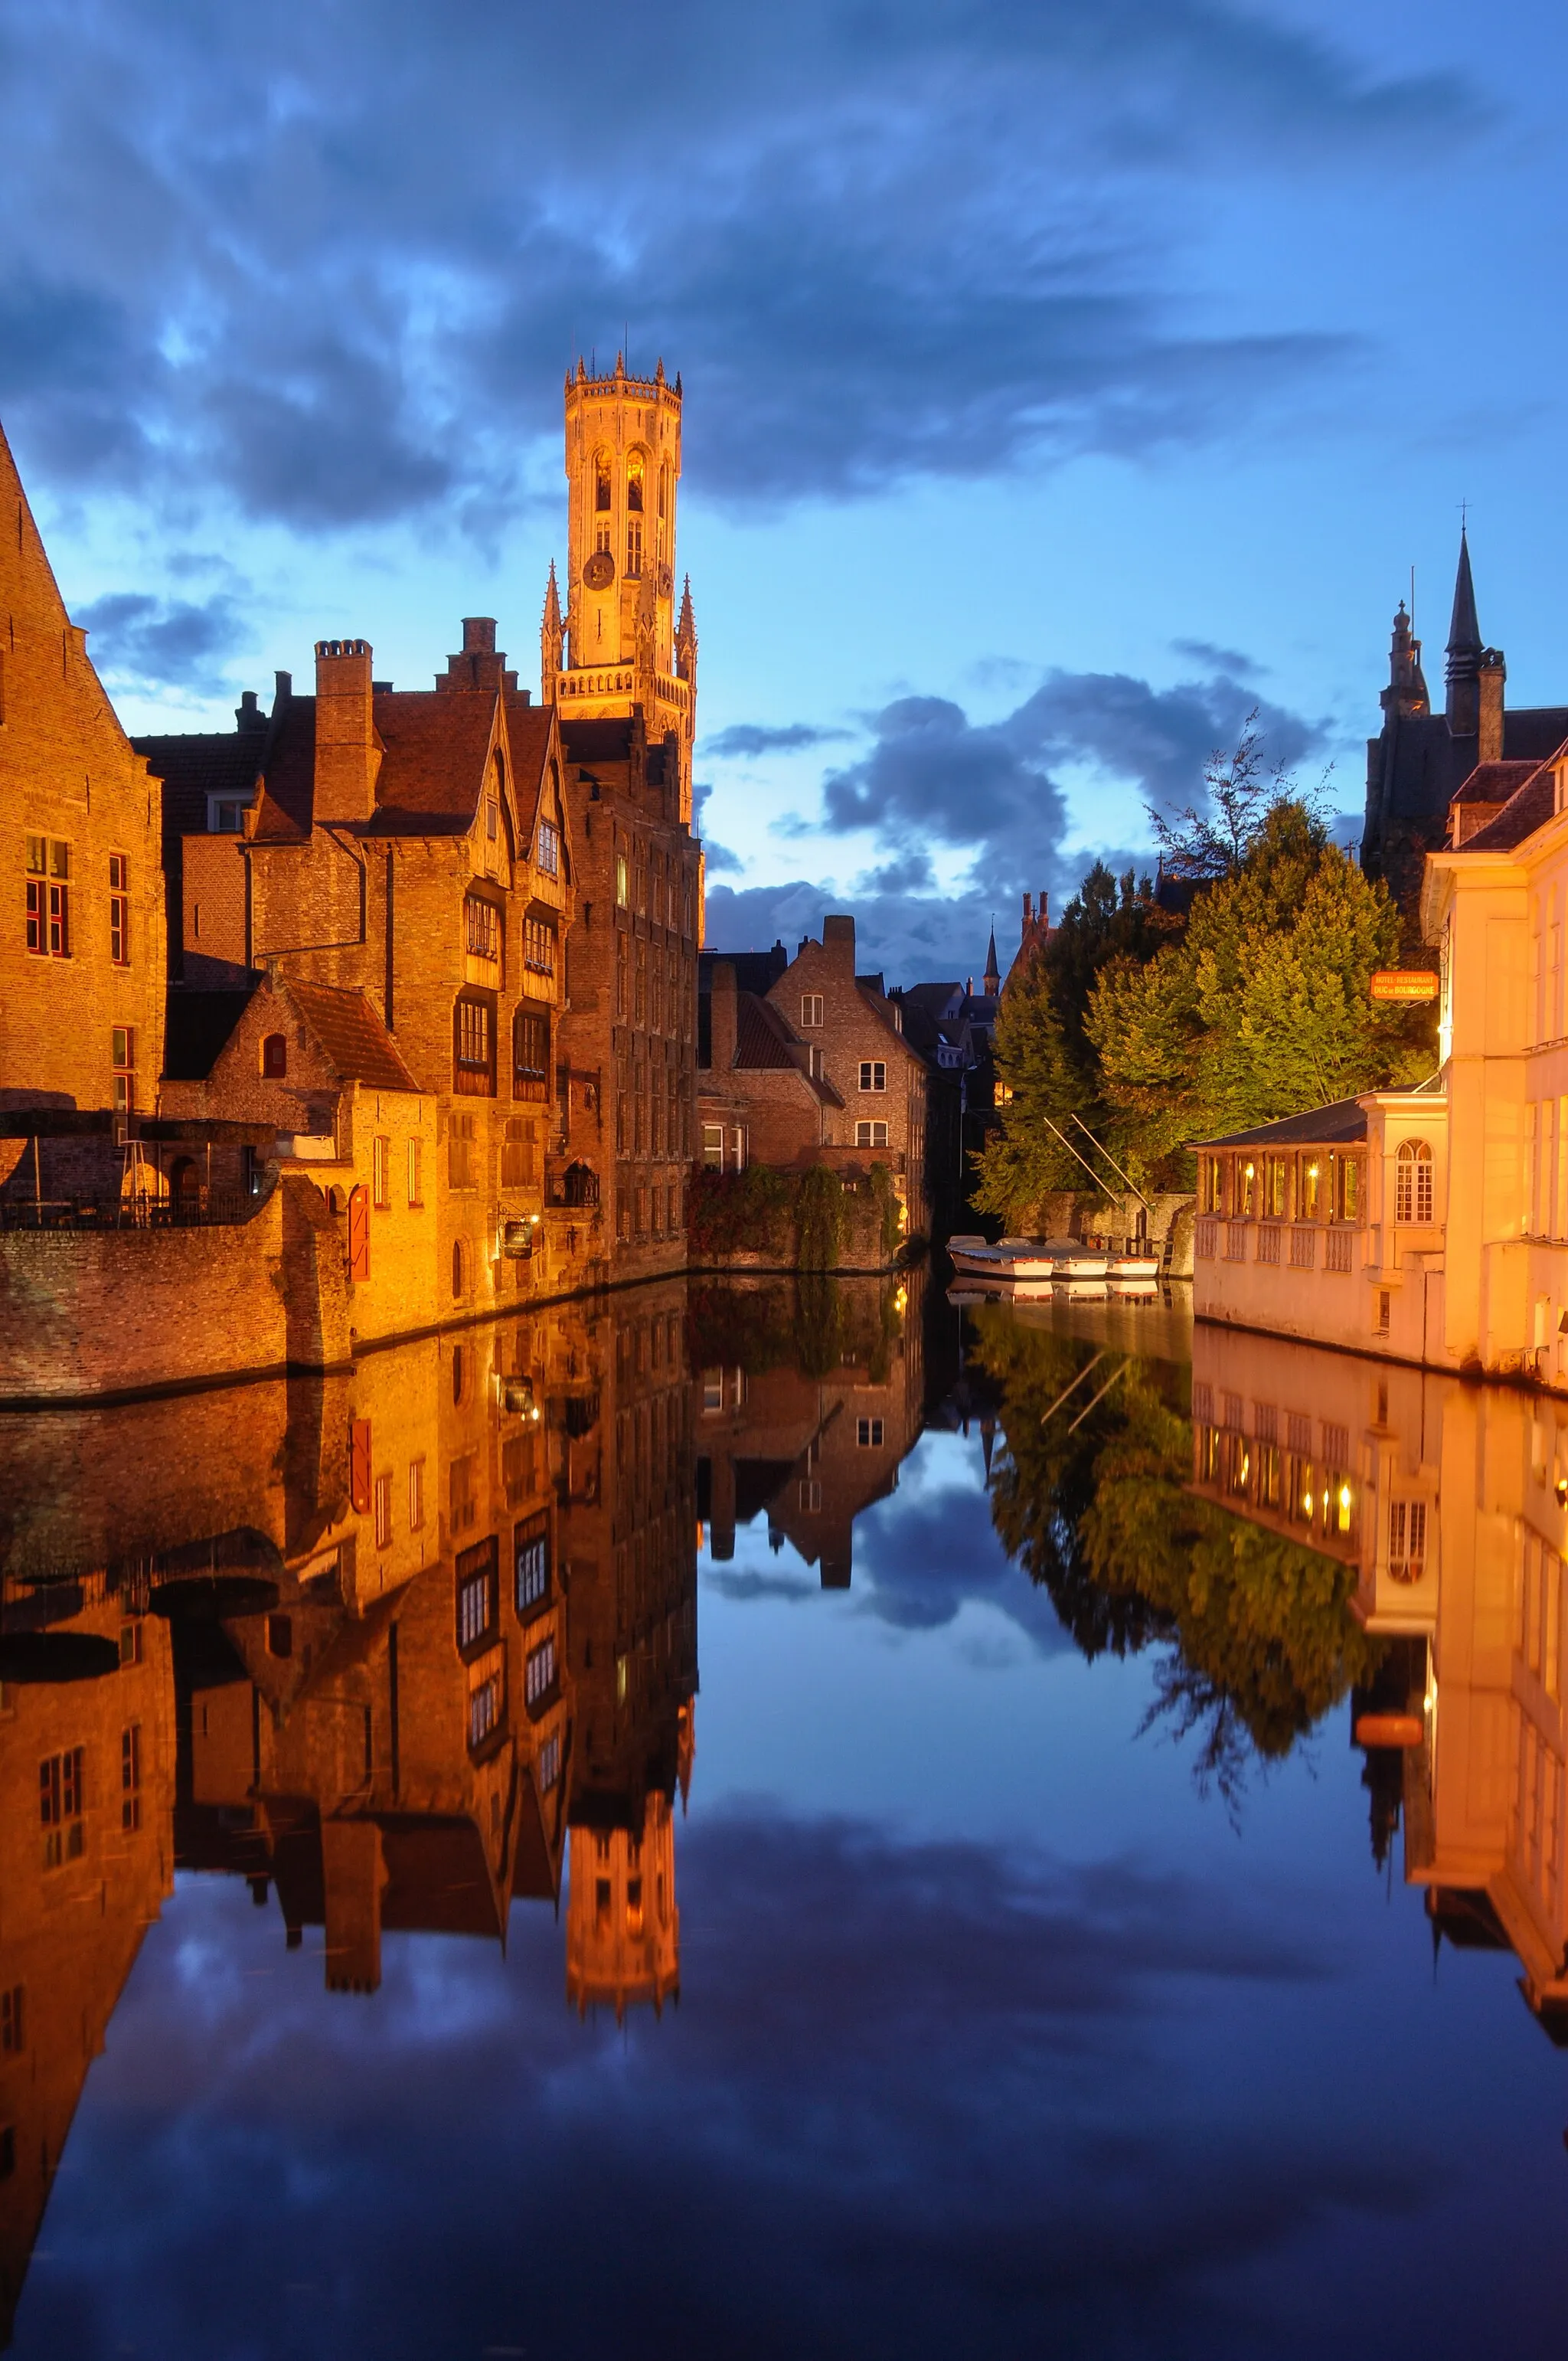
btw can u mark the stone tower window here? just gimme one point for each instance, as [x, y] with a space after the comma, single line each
[633, 548]
[601, 480]
[634, 482]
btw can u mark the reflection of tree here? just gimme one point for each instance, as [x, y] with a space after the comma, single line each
[1260, 1641]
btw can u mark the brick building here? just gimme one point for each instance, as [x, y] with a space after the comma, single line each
[413, 847]
[815, 1068]
[620, 665]
[82, 944]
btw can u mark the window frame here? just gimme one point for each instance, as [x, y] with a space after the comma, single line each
[873, 1074]
[474, 1077]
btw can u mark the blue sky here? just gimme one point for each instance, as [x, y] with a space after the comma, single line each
[1062, 380]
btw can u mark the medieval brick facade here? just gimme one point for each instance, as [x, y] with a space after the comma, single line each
[82, 919]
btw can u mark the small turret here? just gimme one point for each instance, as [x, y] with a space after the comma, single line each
[1406, 694]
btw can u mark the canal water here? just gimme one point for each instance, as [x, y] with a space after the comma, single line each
[783, 1820]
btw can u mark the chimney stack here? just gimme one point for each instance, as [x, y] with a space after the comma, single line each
[723, 1019]
[1493, 674]
[838, 941]
[346, 757]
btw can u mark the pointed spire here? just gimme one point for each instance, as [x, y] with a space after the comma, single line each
[992, 976]
[551, 638]
[552, 599]
[659, 372]
[1464, 652]
[1464, 630]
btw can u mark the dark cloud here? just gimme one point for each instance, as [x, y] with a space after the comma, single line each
[337, 274]
[747, 738]
[918, 2098]
[1216, 659]
[166, 642]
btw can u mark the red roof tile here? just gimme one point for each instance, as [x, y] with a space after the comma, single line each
[357, 1044]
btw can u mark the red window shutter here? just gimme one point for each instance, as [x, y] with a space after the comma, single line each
[359, 1233]
[359, 1464]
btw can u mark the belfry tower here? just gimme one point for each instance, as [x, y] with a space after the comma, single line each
[620, 665]
[619, 643]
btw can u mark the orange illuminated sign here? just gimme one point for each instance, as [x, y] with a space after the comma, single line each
[1404, 983]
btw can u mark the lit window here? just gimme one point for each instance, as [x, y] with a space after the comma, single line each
[549, 1762]
[634, 482]
[549, 855]
[1413, 1182]
[49, 897]
[873, 1074]
[870, 1134]
[713, 1147]
[539, 946]
[119, 911]
[601, 480]
[123, 1051]
[868, 1434]
[810, 1008]
[621, 881]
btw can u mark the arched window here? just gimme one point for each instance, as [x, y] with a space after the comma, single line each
[634, 482]
[1413, 1182]
[275, 1056]
[601, 480]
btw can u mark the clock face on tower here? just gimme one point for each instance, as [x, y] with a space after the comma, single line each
[600, 571]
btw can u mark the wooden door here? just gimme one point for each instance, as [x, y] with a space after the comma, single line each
[359, 1233]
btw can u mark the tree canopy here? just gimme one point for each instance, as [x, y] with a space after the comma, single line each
[1256, 1006]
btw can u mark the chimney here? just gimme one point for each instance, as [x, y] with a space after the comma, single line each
[839, 942]
[479, 635]
[346, 760]
[1493, 674]
[1028, 910]
[247, 714]
[723, 1019]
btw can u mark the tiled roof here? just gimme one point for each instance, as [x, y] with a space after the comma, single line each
[1529, 809]
[761, 1039]
[357, 1045]
[1343, 1119]
[288, 794]
[432, 762]
[1493, 782]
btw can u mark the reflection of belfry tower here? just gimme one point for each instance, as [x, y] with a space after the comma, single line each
[619, 643]
[623, 1930]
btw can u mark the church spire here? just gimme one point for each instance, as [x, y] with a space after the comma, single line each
[991, 979]
[686, 636]
[550, 639]
[1464, 650]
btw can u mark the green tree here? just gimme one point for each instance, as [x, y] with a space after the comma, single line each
[1262, 1009]
[1044, 1053]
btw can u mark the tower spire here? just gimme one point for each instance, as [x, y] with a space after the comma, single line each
[1464, 650]
[551, 634]
[685, 635]
[991, 979]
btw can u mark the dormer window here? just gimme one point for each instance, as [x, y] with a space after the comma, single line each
[225, 815]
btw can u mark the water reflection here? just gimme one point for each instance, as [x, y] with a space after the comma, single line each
[413, 1650]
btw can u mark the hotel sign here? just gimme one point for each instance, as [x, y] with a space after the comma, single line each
[1404, 983]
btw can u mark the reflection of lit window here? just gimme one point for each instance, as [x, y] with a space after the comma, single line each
[549, 1762]
[539, 1671]
[532, 1554]
[60, 1807]
[476, 1573]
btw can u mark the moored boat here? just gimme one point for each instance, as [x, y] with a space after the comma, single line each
[1133, 1266]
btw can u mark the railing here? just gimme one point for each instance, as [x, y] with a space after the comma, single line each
[210, 1209]
[1340, 1251]
[1268, 1237]
[1235, 1241]
[1206, 1240]
[1303, 1248]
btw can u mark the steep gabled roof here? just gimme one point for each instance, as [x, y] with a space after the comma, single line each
[1493, 782]
[197, 1027]
[432, 762]
[352, 1037]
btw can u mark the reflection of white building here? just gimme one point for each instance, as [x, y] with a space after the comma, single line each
[1451, 1502]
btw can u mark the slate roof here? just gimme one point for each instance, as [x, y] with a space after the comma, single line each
[1493, 782]
[357, 1044]
[1324, 1126]
[1523, 813]
[202, 764]
[754, 970]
